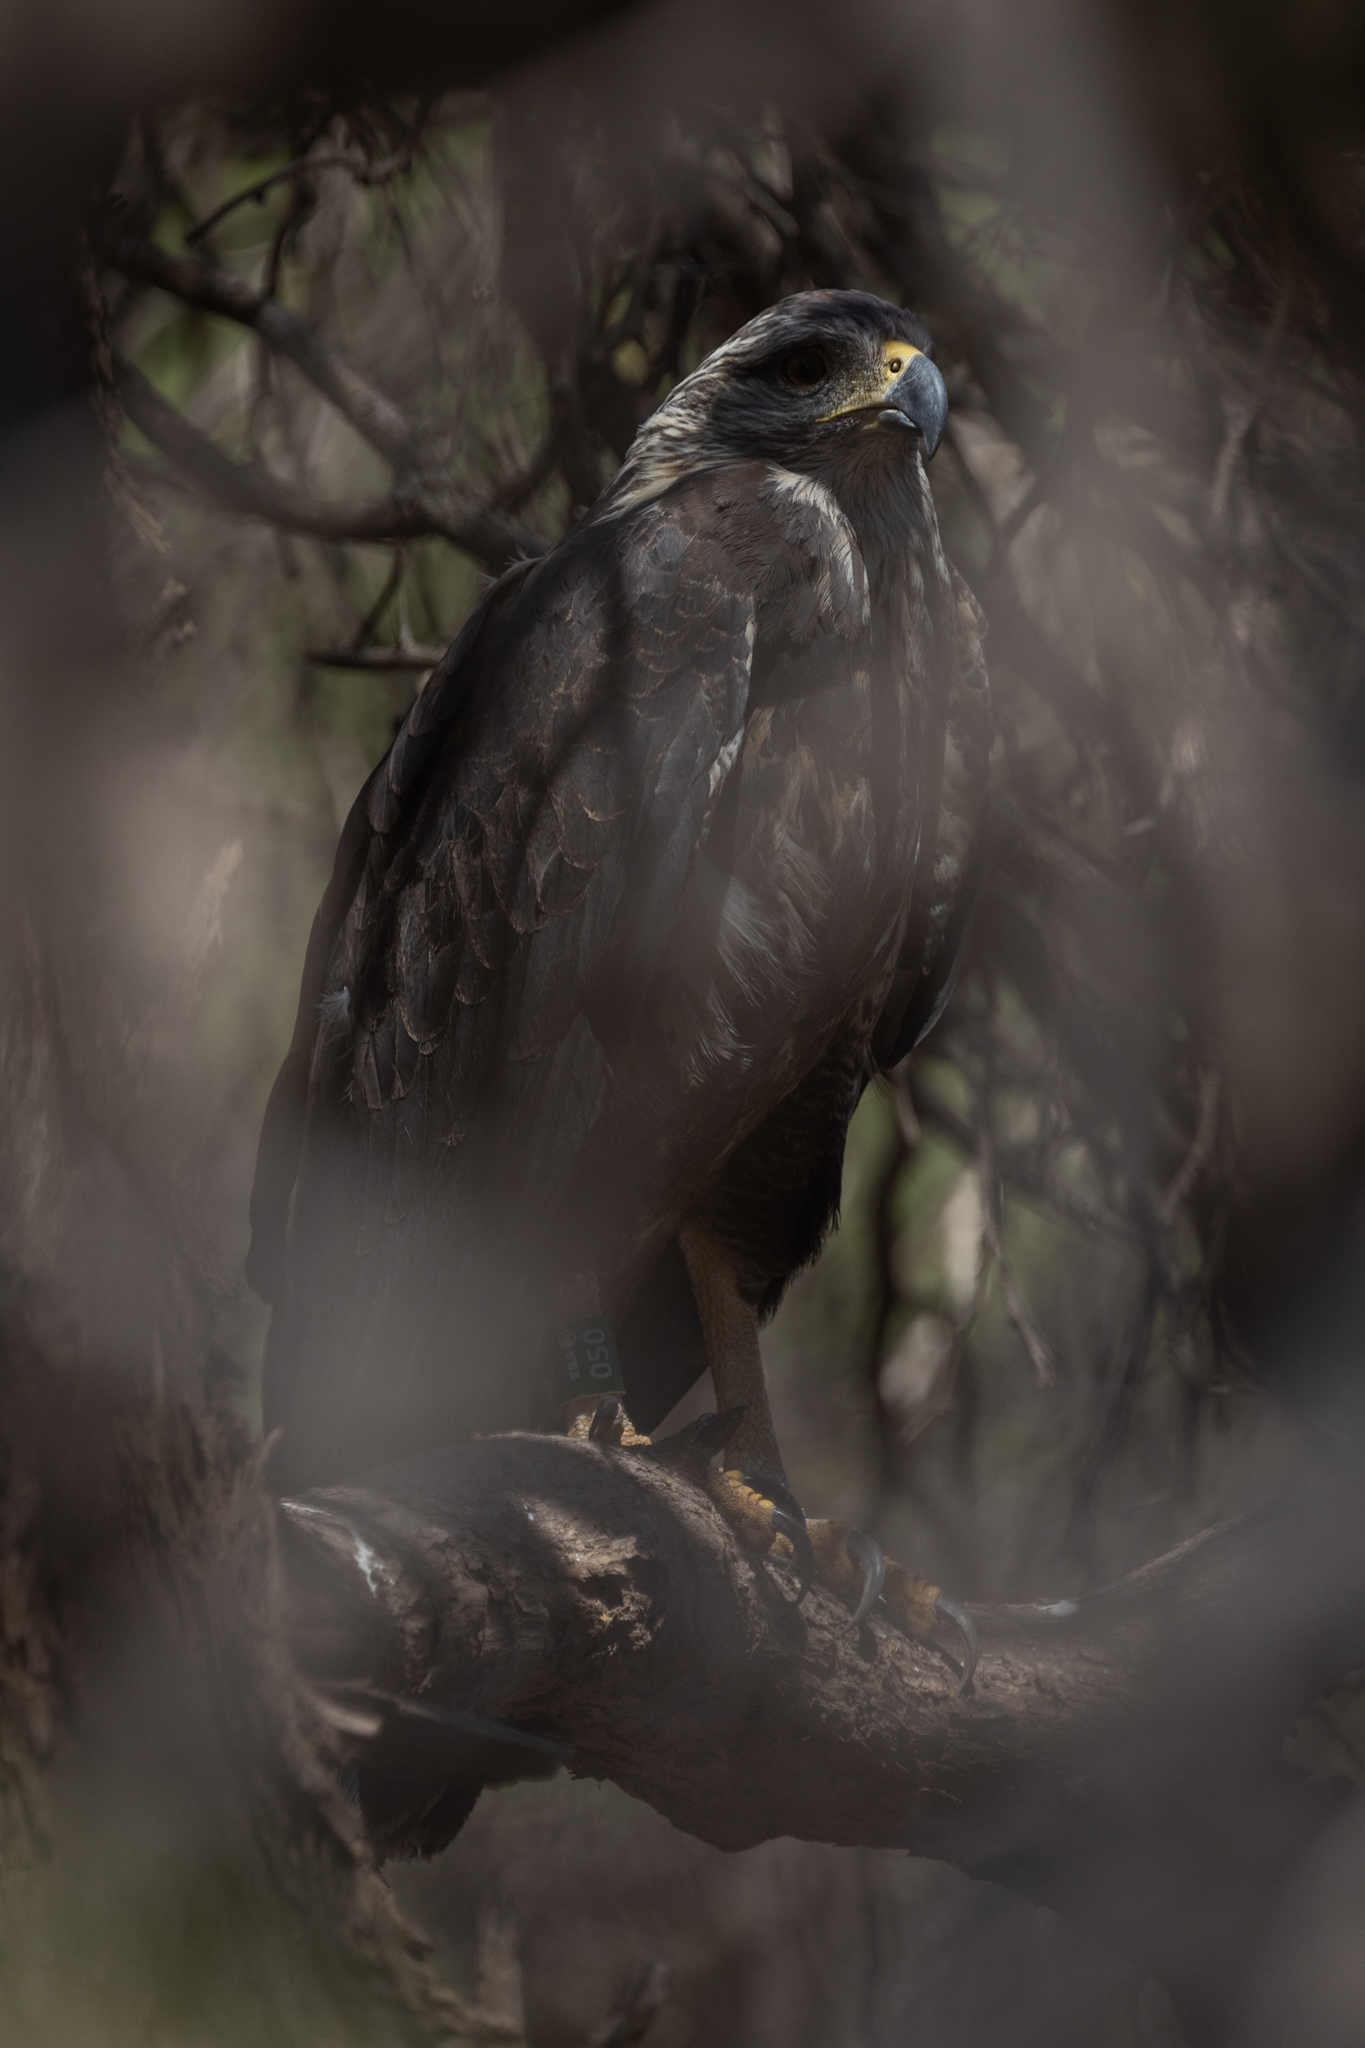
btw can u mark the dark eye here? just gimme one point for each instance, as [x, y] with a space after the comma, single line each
[807, 368]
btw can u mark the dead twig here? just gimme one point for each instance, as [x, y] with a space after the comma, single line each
[1020, 1172]
[1079, 1539]
[432, 502]
[992, 1208]
[376, 660]
[1199, 1155]
[250, 489]
[884, 1293]
[350, 161]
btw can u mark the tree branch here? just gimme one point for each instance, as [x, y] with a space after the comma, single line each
[1019, 1171]
[350, 161]
[993, 1217]
[196, 283]
[434, 503]
[377, 660]
[249, 488]
[595, 1598]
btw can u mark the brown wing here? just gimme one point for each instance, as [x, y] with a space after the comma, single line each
[503, 891]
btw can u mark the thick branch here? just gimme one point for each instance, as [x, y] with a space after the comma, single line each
[596, 1598]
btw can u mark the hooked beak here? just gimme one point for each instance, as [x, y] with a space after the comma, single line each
[917, 403]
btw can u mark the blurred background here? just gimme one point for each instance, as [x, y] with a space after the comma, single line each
[311, 322]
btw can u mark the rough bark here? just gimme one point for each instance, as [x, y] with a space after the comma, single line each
[596, 1598]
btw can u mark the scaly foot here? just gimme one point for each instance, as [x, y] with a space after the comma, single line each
[769, 1522]
[853, 1565]
[765, 1517]
[762, 1513]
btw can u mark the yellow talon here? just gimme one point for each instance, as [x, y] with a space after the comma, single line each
[575, 1417]
[747, 1512]
[911, 1601]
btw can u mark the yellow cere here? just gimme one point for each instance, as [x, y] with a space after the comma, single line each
[895, 356]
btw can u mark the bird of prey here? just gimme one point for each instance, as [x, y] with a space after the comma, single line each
[671, 856]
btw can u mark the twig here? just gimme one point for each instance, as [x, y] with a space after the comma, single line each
[1198, 1156]
[377, 659]
[327, 160]
[912, 1132]
[251, 489]
[1079, 1538]
[884, 1294]
[1019, 1174]
[941, 1393]
[439, 504]
[375, 418]
[159, 171]
[294, 214]
[1035, 1343]
[369, 624]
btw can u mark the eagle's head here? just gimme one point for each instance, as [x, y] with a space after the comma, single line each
[838, 385]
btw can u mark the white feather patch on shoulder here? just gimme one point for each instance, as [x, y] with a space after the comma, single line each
[334, 1010]
[842, 583]
[723, 763]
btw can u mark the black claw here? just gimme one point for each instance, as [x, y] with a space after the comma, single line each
[867, 1552]
[779, 1493]
[787, 1518]
[966, 1628]
[605, 1416]
[796, 1534]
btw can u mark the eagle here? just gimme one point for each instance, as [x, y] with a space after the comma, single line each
[673, 854]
